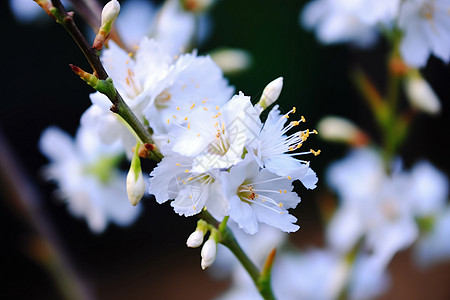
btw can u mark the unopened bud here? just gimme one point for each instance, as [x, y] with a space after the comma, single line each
[208, 253]
[135, 179]
[110, 13]
[421, 95]
[195, 239]
[231, 61]
[338, 129]
[271, 93]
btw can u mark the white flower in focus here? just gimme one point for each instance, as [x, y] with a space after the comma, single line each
[87, 180]
[354, 21]
[172, 179]
[193, 82]
[275, 150]
[434, 246]
[258, 196]
[216, 137]
[425, 27]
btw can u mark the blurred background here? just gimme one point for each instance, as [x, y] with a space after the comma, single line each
[149, 260]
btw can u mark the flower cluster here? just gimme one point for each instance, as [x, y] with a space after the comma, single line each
[225, 160]
[422, 24]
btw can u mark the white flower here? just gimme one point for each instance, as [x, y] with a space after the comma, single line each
[216, 137]
[231, 60]
[153, 85]
[259, 196]
[87, 180]
[381, 207]
[193, 81]
[354, 21]
[425, 27]
[172, 179]
[341, 130]
[208, 253]
[275, 150]
[271, 93]
[434, 246]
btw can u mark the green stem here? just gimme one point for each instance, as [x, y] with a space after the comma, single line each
[119, 106]
[229, 241]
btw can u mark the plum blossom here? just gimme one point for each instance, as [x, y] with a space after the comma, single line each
[256, 195]
[381, 208]
[152, 83]
[424, 24]
[84, 170]
[275, 150]
[356, 21]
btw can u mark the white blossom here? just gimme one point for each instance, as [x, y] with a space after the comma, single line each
[86, 178]
[259, 196]
[425, 28]
[191, 191]
[421, 95]
[354, 21]
[276, 151]
[215, 138]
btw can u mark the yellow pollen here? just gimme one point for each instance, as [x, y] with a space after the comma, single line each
[217, 107]
[190, 197]
[193, 105]
[189, 125]
[186, 171]
[303, 119]
[315, 131]
[198, 134]
[184, 182]
[294, 109]
[177, 164]
[205, 108]
[285, 191]
[281, 212]
[289, 177]
[130, 54]
[179, 178]
[190, 178]
[194, 207]
[127, 62]
[216, 124]
[295, 123]
[299, 145]
[280, 191]
[280, 204]
[174, 116]
[127, 80]
[291, 148]
[203, 101]
[263, 200]
[178, 108]
[168, 121]
[185, 118]
[286, 116]
[315, 152]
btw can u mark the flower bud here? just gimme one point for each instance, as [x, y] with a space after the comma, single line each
[110, 12]
[271, 93]
[135, 179]
[231, 61]
[421, 95]
[208, 253]
[338, 129]
[195, 239]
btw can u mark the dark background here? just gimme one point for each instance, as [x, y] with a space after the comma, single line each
[149, 260]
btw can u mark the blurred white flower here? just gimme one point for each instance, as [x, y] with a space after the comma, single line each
[312, 275]
[434, 246]
[85, 172]
[354, 21]
[259, 196]
[339, 129]
[425, 27]
[379, 207]
[231, 60]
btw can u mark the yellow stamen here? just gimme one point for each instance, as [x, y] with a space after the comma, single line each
[315, 152]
